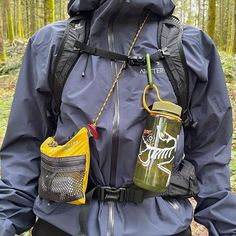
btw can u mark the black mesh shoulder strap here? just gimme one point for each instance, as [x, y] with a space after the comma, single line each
[77, 29]
[170, 32]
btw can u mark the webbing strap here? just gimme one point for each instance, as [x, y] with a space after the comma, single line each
[77, 28]
[84, 48]
[130, 194]
[84, 212]
[170, 39]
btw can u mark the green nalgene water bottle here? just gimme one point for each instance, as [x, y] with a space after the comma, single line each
[158, 147]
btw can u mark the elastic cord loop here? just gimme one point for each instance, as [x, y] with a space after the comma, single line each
[159, 98]
[144, 96]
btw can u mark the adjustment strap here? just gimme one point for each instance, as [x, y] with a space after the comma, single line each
[129, 194]
[133, 61]
[137, 195]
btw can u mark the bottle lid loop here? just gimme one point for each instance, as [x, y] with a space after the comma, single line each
[163, 113]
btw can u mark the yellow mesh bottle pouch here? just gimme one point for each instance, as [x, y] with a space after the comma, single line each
[65, 169]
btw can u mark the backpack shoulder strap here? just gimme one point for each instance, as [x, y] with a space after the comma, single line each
[170, 31]
[77, 29]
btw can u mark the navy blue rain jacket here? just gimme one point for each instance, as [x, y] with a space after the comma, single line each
[114, 24]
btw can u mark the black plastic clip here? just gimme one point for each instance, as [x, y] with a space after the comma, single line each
[136, 61]
[187, 120]
[160, 54]
[164, 52]
[77, 47]
[106, 193]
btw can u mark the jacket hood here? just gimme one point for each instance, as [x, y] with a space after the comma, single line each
[159, 7]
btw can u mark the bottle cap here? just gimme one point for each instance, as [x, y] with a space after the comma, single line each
[167, 107]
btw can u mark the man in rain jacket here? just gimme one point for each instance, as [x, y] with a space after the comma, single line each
[113, 26]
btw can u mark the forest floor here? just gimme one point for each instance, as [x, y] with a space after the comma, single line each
[8, 77]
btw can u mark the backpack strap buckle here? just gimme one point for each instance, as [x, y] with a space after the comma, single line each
[160, 54]
[136, 61]
[107, 193]
[164, 51]
[187, 120]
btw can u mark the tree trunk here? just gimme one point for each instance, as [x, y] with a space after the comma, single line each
[33, 16]
[203, 14]
[26, 19]
[211, 18]
[19, 20]
[190, 15]
[231, 29]
[2, 48]
[9, 21]
[49, 8]
[221, 24]
[199, 12]
[39, 14]
[234, 29]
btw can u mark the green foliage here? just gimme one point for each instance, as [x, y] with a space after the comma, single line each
[9, 68]
[5, 104]
[233, 170]
[229, 66]
[14, 58]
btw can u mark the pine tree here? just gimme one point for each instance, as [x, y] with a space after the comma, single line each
[19, 20]
[10, 24]
[2, 47]
[211, 18]
[231, 28]
[49, 11]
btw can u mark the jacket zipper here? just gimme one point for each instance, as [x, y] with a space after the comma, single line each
[115, 128]
[174, 204]
[116, 117]
[111, 220]
[115, 135]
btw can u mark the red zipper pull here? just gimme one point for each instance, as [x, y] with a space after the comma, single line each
[93, 131]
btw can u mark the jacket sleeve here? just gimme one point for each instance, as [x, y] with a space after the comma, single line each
[208, 146]
[27, 128]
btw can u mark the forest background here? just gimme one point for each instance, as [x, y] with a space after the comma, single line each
[19, 19]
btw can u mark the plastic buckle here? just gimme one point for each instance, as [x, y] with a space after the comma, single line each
[77, 47]
[164, 52]
[111, 194]
[187, 120]
[136, 61]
